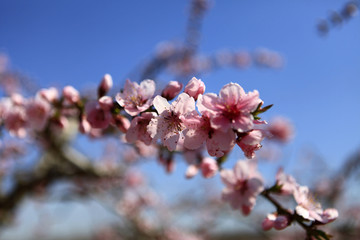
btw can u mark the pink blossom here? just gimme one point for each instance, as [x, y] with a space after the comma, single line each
[96, 116]
[138, 129]
[134, 179]
[136, 98]
[280, 129]
[171, 90]
[243, 184]
[195, 87]
[49, 94]
[17, 99]
[105, 85]
[309, 209]
[209, 167]
[168, 126]
[231, 109]
[198, 130]
[5, 107]
[71, 94]
[38, 112]
[15, 122]
[287, 182]
[250, 142]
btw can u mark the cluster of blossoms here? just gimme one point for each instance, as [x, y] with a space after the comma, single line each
[307, 209]
[191, 122]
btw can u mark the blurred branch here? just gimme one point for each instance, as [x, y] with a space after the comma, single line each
[58, 162]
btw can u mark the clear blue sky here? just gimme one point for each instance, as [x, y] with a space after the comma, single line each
[77, 42]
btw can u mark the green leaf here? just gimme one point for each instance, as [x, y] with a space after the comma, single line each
[321, 235]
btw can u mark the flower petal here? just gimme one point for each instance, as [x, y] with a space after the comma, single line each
[161, 104]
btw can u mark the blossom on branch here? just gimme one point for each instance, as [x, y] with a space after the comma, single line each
[168, 126]
[243, 184]
[311, 210]
[136, 98]
[231, 109]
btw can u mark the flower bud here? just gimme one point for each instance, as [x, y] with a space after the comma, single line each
[49, 94]
[209, 167]
[281, 222]
[269, 221]
[71, 94]
[195, 87]
[105, 85]
[106, 103]
[172, 89]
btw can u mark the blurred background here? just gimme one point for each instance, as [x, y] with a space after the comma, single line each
[302, 56]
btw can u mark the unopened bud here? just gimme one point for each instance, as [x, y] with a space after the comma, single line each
[71, 94]
[195, 87]
[105, 85]
[172, 89]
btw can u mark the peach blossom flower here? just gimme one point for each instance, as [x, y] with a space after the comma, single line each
[49, 94]
[309, 209]
[198, 130]
[280, 129]
[243, 184]
[96, 116]
[138, 129]
[231, 109]
[37, 113]
[71, 94]
[136, 98]
[168, 126]
[15, 122]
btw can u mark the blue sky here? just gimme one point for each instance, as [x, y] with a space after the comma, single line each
[66, 42]
[77, 42]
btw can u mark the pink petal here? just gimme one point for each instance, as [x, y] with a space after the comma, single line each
[171, 140]
[207, 102]
[250, 101]
[147, 89]
[194, 138]
[183, 104]
[228, 177]
[231, 93]
[220, 143]
[241, 170]
[161, 104]
[243, 122]
[255, 185]
[303, 212]
[220, 122]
